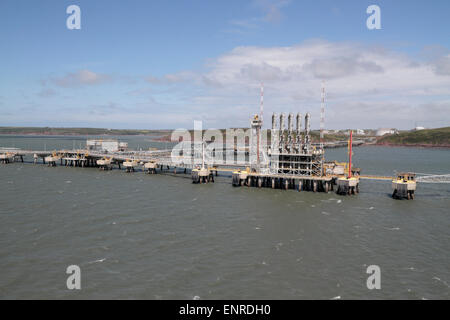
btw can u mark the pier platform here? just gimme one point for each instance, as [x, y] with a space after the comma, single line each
[160, 161]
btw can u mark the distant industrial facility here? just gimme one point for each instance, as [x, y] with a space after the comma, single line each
[108, 145]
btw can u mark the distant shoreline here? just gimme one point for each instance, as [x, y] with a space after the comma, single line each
[48, 131]
[76, 135]
[152, 137]
[428, 138]
[163, 138]
[418, 145]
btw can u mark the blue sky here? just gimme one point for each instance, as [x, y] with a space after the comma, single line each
[163, 64]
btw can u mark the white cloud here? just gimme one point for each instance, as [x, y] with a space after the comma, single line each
[271, 9]
[350, 69]
[172, 78]
[442, 65]
[366, 87]
[360, 80]
[80, 78]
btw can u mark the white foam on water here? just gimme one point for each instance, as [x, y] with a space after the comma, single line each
[336, 298]
[441, 281]
[97, 261]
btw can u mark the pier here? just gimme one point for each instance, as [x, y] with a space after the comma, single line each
[289, 162]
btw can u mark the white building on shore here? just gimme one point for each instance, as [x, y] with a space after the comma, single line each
[383, 131]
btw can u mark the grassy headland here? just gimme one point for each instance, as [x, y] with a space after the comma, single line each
[78, 131]
[439, 137]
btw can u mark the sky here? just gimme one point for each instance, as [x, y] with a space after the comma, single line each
[163, 64]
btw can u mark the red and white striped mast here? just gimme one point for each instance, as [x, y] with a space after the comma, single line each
[261, 113]
[350, 143]
[261, 108]
[322, 113]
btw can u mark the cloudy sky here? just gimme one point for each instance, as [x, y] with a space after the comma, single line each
[163, 64]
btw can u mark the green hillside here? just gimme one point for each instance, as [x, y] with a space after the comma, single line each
[427, 137]
[77, 131]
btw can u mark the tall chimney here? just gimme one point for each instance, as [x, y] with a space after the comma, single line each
[282, 116]
[281, 140]
[290, 122]
[307, 124]
[298, 128]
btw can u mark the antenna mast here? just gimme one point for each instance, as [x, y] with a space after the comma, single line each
[322, 113]
[350, 143]
[261, 110]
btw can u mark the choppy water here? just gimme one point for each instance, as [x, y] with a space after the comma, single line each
[160, 237]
